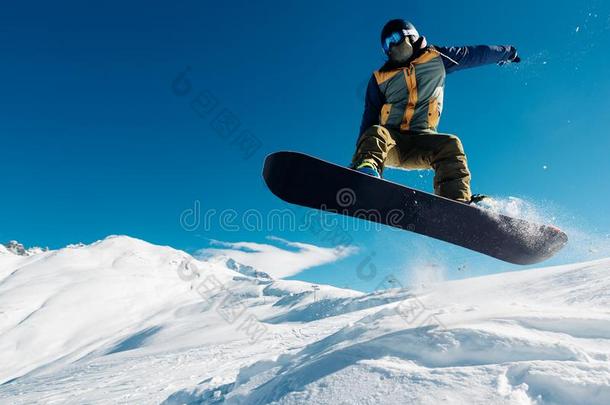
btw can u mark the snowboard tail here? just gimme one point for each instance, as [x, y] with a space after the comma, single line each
[304, 180]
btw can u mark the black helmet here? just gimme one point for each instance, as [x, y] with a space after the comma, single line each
[399, 25]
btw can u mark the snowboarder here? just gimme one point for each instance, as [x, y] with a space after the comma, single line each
[403, 105]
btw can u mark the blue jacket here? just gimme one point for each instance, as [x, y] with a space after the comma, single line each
[412, 101]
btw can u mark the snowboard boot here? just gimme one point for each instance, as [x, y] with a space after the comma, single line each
[479, 199]
[368, 168]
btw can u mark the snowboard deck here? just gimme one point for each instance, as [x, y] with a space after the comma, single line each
[307, 181]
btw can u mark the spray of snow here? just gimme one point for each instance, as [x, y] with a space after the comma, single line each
[584, 243]
[424, 270]
[515, 207]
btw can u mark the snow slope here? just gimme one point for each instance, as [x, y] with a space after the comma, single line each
[125, 321]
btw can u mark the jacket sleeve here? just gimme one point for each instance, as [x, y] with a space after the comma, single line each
[464, 57]
[373, 101]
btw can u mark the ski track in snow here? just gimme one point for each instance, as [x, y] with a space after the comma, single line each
[123, 321]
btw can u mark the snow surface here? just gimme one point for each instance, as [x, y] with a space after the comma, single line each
[125, 321]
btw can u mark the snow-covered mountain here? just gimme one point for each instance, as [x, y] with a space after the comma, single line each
[17, 248]
[125, 321]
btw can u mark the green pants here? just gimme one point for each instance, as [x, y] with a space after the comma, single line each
[444, 153]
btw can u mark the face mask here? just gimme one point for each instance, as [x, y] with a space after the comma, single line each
[401, 52]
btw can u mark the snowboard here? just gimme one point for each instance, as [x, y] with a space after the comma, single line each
[307, 181]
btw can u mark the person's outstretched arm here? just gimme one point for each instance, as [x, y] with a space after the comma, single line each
[464, 57]
[373, 102]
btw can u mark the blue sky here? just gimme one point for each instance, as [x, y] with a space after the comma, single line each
[96, 140]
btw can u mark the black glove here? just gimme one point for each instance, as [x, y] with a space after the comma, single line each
[515, 58]
[511, 59]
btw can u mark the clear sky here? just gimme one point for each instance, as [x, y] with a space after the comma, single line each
[98, 139]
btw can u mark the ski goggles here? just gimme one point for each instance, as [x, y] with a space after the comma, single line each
[396, 38]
